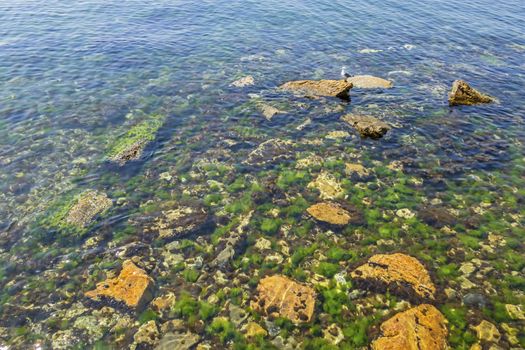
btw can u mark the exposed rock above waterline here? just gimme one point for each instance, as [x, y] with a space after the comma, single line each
[130, 286]
[369, 82]
[420, 328]
[463, 94]
[400, 273]
[367, 126]
[279, 296]
[334, 88]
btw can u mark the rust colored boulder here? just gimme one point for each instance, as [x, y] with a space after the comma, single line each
[400, 273]
[130, 286]
[420, 328]
[279, 296]
[463, 94]
[334, 88]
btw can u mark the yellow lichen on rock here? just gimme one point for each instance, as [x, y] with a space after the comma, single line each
[328, 186]
[130, 286]
[279, 296]
[463, 94]
[420, 328]
[399, 272]
[90, 204]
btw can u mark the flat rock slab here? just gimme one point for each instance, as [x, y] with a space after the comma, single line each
[400, 273]
[367, 126]
[463, 94]
[369, 82]
[334, 88]
[327, 185]
[331, 213]
[279, 296]
[179, 221]
[420, 328]
[90, 204]
[129, 286]
[270, 151]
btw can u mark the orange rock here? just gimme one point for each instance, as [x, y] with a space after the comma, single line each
[398, 272]
[279, 296]
[330, 212]
[335, 88]
[420, 328]
[129, 287]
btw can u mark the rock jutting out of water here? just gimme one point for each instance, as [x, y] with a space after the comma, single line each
[422, 328]
[333, 88]
[463, 94]
[331, 213]
[130, 286]
[367, 126]
[279, 296]
[369, 82]
[399, 273]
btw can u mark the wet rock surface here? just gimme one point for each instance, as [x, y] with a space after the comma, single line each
[463, 94]
[399, 273]
[334, 88]
[422, 328]
[369, 82]
[280, 296]
[130, 286]
[270, 151]
[367, 126]
[179, 221]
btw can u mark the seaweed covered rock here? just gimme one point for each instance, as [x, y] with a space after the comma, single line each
[400, 273]
[279, 296]
[179, 221]
[331, 213]
[334, 88]
[131, 286]
[369, 82]
[367, 126]
[463, 94]
[131, 145]
[89, 204]
[420, 328]
[270, 151]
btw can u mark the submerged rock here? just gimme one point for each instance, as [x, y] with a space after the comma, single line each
[253, 329]
[335, 88]
[268, 111]
[463, 94]
[278, 296]
[486, 331]
[148, 334]
[328, 186]
[420, 328]
[356, 168]
[367, 126]
[89, 204]
[244, 81]
[369, 82]
[179, 221]
[131, 145]
[130, 286]
[400, 273]
[270, 151]
[331, 213]
[179, 341]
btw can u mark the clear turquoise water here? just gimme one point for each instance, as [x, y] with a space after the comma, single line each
[71, 73]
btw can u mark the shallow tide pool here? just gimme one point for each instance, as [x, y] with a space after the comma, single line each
[158, 190]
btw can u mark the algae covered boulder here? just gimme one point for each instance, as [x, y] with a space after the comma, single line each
[131, 144]
[399, 273]
[331, 213]
[279, 296]
[369, 82]
[463, 94]
[367, 126]
[130, 286]
[75, 215]
[333, 88]
[420, 328]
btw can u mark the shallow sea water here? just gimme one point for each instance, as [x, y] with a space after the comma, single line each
[445, 185]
